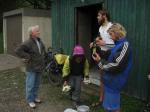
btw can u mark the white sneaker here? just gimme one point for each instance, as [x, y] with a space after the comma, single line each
[37, 100]
[32, 104]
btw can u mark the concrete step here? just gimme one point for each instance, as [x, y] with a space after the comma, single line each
[91, 89]
[95, 76]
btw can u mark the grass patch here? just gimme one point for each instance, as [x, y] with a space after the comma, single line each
[128, 104]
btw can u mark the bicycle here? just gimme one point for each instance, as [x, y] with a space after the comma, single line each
[54, 64]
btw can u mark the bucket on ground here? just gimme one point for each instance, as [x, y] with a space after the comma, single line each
[70, 110]
[83, 108]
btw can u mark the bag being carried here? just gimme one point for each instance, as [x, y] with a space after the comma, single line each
[66, 88]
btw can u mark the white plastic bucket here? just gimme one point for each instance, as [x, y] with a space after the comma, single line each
[83, 108]
[70, 110]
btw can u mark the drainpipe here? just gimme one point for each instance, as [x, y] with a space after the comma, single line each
[148, 76]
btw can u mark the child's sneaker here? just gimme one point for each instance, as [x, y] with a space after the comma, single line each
[75, 104]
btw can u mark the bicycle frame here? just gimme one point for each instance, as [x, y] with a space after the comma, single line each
[53, 68]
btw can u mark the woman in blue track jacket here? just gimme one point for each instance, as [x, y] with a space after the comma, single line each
[116, 68]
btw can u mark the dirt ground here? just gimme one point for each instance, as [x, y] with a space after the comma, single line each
[12, 96]
[12, 90]
[9, 62]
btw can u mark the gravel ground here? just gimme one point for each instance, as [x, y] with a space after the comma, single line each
[12, 96]
[12, 92]
[9, 62]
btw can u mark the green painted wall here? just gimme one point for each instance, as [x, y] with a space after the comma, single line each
[63, 22]
[133, 14]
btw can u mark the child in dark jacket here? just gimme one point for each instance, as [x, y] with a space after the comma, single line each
[76, 68]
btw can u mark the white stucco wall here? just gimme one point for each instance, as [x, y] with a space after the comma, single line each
[45, 28]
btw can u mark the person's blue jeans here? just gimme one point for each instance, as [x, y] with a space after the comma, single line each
[32, 85]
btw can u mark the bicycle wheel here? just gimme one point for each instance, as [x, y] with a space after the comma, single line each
[55, 78]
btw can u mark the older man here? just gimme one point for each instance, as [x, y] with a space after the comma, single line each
[32, 52]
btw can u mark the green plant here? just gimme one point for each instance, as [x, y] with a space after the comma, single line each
[128, 104]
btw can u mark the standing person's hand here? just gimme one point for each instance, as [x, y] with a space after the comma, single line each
[100, 42]
[91, 44]
[96, 57]
[65, 83]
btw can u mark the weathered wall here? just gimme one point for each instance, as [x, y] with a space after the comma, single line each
[45, 28]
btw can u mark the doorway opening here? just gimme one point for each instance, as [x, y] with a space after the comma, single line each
[87, 27]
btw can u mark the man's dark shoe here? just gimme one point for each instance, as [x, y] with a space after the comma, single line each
[96, 104]
[37, 100]
[75, 104]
